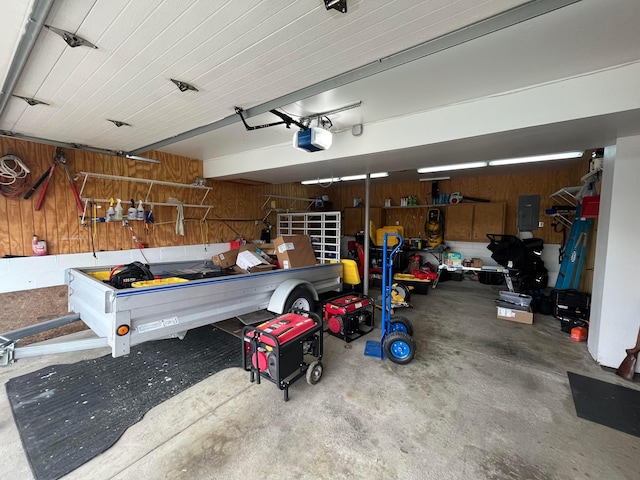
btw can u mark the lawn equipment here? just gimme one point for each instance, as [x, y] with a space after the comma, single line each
[282, 349]
[349, 317]
[396, 342]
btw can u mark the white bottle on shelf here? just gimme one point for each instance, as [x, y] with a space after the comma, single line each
[140, 211]
[132, 214]
[111, 213]
[118, 210]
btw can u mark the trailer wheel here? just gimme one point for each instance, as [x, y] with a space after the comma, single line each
[314, 372]
[301, 299]
[402, 324]
[399, 348]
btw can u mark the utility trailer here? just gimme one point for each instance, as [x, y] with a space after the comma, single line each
[131, 316]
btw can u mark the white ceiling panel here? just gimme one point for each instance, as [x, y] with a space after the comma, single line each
[252, 53]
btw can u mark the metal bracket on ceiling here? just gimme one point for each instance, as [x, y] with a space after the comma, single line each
[31, 101]
[184, 86]
[340, 5]
[118, 123]
[71, 38]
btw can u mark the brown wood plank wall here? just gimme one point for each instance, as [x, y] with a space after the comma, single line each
[498, 188]
[237, 207]
[58, 221]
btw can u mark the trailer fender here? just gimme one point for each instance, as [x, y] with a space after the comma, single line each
[281, 294]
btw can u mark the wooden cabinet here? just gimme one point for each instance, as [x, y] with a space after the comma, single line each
[353, 219]
[471, 222]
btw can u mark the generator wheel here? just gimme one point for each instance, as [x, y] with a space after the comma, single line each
[301, 299]
[399, 348]
[402, 324]
[402, 290]
[314, 372]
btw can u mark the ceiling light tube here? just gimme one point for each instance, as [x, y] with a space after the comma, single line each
[363, 176]
[536, 158]
[320, 180]
[434, 179]
[446, 168]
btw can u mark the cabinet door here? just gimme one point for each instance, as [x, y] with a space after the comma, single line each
[458, 222]
[488, 218]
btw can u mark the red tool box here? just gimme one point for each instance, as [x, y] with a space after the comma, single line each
[350, 316]
[284, 349]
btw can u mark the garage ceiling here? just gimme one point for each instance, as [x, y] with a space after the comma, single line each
[396, 57]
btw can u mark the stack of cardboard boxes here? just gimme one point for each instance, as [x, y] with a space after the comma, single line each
[285, 252]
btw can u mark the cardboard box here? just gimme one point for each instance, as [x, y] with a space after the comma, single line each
[515, 315]
[453, 259]
[294, 251]
[228, 259]
[476, 263]
[247, 260]
[268, 248]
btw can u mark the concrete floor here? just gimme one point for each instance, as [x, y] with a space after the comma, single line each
[483, 399]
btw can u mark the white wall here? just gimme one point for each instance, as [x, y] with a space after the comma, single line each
[36, 272]
[615, 313]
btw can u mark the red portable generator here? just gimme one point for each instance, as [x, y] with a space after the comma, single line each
[284, 349]
[350, 316]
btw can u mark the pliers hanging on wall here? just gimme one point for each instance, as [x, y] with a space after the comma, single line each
[48, 175]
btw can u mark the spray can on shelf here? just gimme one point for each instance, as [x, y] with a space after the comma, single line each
[39, 246]
[140, 211]
[111, 213]
[132, 213]
[118, 210]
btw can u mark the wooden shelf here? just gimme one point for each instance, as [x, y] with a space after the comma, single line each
[151, 183]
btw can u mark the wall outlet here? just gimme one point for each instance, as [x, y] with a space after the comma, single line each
[540, 224]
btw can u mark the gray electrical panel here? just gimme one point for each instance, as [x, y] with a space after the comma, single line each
[528, 212]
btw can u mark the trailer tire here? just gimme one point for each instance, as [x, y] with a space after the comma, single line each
[301, 299]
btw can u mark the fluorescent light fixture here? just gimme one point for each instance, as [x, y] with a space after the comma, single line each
[446, 168]
[536, 158]
[434, 179]
[320, 180]
[362, 176]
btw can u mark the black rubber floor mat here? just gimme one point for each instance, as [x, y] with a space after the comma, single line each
[607, 404]
[68, 414]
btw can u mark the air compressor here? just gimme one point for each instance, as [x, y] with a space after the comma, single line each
[348, 317]
[434, 227]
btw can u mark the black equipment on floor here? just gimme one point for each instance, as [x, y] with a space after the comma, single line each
[282, 350]
[349, 317]
[572, 308]
[524, 256]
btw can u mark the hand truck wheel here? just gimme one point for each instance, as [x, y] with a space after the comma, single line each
[399, 347]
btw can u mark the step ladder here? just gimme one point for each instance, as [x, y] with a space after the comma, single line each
[574, 253]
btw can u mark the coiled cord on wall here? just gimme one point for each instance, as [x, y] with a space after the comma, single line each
[13, 176]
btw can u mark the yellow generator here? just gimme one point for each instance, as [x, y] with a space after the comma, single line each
[434, 227]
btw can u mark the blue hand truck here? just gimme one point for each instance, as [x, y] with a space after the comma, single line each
[396, 342]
